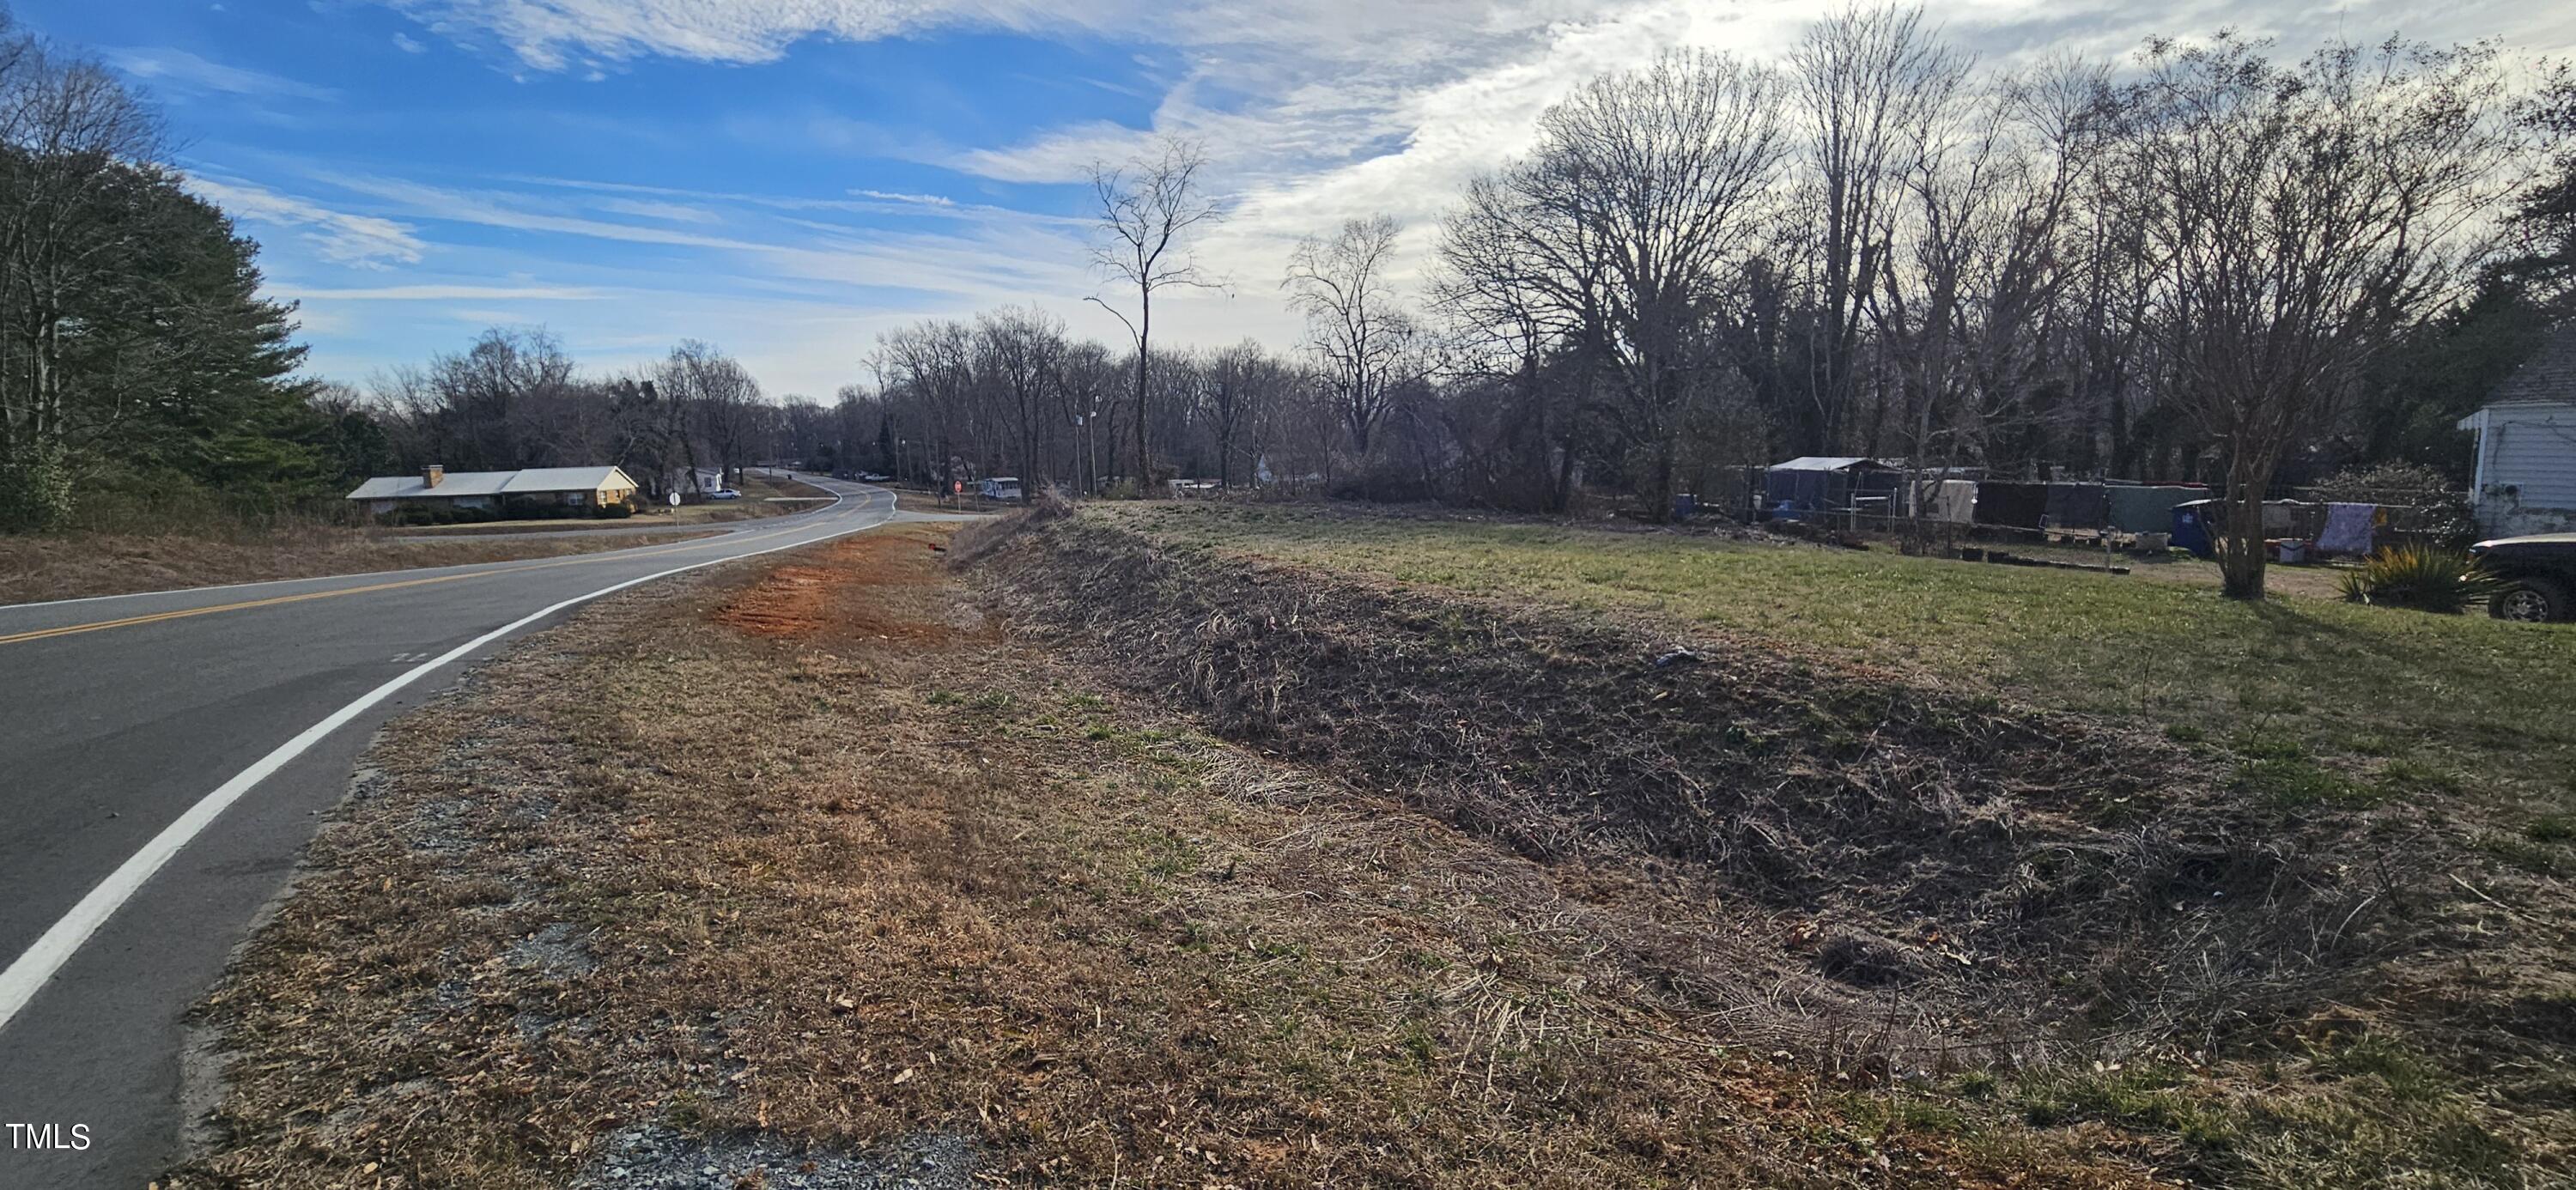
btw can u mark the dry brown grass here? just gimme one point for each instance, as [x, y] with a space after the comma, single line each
[864, 869]
[76, 566]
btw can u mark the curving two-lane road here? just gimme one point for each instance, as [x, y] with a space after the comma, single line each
[163, 758]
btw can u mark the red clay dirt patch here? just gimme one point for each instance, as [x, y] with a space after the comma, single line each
[845, 596]
[787, 603]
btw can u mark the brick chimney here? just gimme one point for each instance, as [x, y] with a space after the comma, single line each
[432, 474]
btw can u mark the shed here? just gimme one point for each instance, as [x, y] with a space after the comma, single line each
[495, 491]
[2525, 477]
[1815, 484]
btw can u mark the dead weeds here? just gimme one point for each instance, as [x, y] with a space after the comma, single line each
[1895, 882]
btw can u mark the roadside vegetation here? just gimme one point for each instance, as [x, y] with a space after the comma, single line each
[76, 566]
[1188, 844]
[166, 544]
[823, 871]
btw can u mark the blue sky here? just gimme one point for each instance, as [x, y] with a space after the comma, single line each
[788, 178]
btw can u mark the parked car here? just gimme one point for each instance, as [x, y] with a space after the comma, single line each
[1000, 487]
[724, 494]
[2539, 574]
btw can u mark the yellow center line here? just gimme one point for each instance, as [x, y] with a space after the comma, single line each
[245, 605]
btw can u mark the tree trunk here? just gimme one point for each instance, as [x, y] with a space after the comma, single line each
[2240, 541]
[1144, 329]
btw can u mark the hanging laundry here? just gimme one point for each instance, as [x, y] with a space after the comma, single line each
[2348, 529]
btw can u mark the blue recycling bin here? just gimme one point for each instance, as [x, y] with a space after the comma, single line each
[2191, 526]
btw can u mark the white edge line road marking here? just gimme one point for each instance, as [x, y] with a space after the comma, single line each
[29, 973]
[720, 531]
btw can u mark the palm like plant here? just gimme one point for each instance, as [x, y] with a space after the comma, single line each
[2424, 578]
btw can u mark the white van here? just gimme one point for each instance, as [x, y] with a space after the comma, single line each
[1000, 487]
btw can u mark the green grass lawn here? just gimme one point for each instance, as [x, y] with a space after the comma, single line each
[2396, 703]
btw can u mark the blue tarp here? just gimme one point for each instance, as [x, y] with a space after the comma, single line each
[2191, 528]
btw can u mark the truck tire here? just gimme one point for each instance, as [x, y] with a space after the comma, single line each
[2532, 600]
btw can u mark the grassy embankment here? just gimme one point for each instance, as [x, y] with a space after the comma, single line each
[2443, 742]
[139, 551]
[78, 565]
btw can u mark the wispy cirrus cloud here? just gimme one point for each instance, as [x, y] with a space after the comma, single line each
[669, 212]
[447, 293]
[554, 34]
[340, 237]
[179, 70]
[917, 200]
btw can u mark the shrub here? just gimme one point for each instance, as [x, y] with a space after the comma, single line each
[35, 490]
[2424, 578]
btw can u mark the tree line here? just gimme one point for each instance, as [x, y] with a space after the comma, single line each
[515, 399]
[2206, 263]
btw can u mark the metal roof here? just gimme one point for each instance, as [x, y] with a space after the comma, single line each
[1825, 463]
[493, 483]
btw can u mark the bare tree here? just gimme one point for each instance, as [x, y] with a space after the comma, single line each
[1019, 355]
[1980, 257]
[712, 399]
[1628, 229]
[1368, 344]
[1247, 384]
[1148, 210]
[2299, 217]
[1870, 82]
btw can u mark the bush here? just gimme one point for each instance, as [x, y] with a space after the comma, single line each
[35, 490]
[2424, 578]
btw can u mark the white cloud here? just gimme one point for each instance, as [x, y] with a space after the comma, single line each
[671, 212]
[553, 34]
[918, 200]
[409, 44]
[180, 70]
[362, 241]
[445, 293]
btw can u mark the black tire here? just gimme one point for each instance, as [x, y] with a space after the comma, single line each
[2532, 600]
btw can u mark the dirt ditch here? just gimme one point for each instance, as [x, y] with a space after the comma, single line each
[1903, 878]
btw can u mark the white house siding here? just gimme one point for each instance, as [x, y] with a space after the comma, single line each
[2526, 467]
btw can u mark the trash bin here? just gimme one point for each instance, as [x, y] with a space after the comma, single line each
[2191, 529]
[1684, 505]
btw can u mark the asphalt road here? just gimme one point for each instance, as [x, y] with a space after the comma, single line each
[213, 728]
